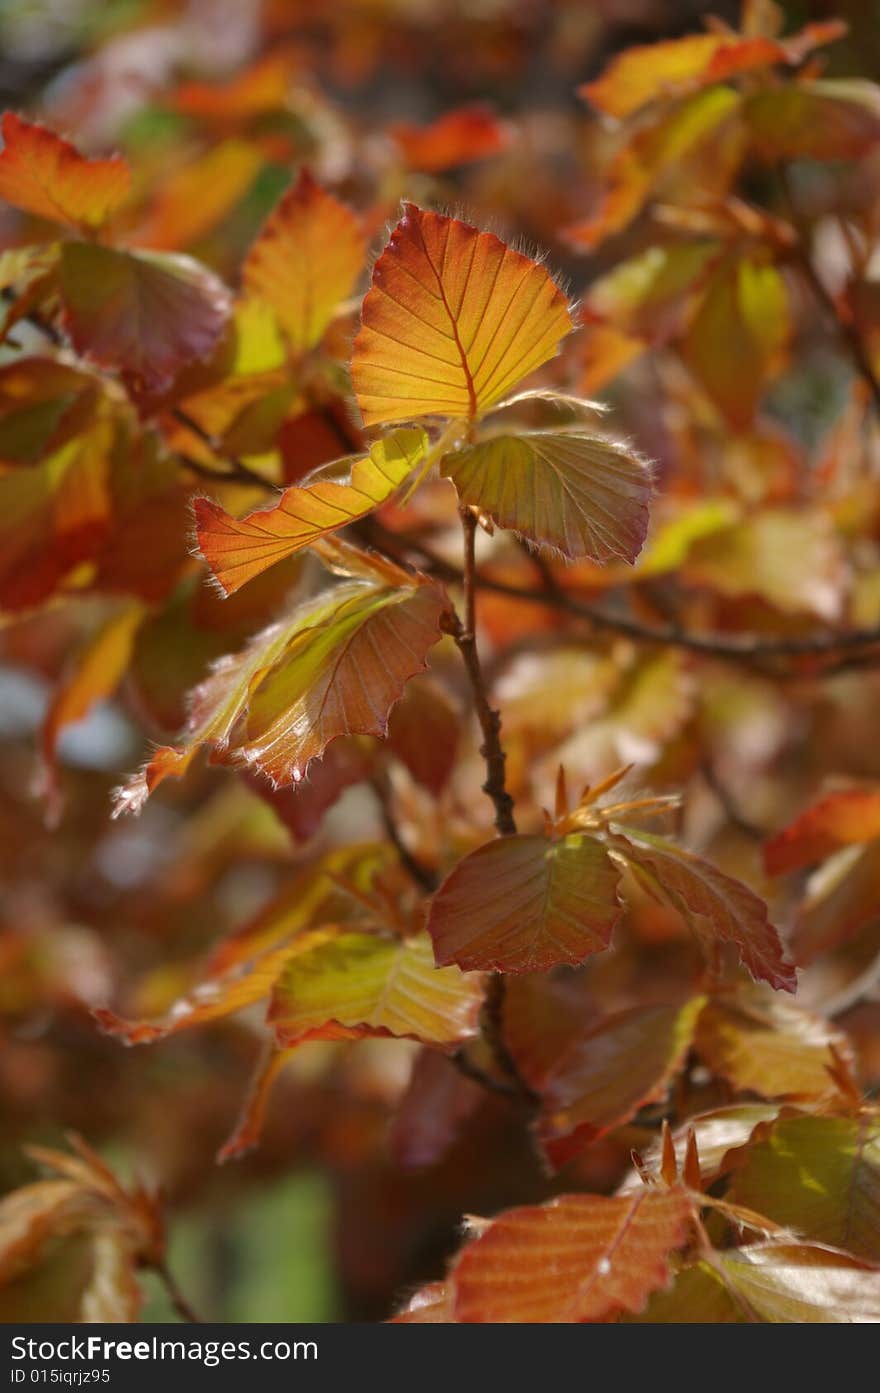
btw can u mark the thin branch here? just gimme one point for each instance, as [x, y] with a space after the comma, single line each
[423, 876]
[847, 330]
[175, 1295]
[238, 470]
[471, 1070]
[465, 637]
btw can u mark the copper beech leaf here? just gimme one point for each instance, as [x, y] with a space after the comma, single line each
[438, 1101]
[578, 1258]
[614, 1069]
[650, 72]
[836, 820]
[457, 137]
[718, 908]
[145, 314]
[819, 1176]
[578, 493]
[43, 174]
[354, 984]
[334, 667]
[801, 1283]
[525, 903]
[239, 549]
[453, 320]
[305, 260]
[767, 1045]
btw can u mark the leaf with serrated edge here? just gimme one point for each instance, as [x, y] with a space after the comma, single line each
[239, 549]
[578, 1258]
[453, 320]
[357, 984]
[305, 260]
[577, 493]
[42, 173]
[524, 904]
[717, 907]
[765, 1044]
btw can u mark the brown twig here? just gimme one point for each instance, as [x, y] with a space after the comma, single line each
[423, 876]
[175, 1295]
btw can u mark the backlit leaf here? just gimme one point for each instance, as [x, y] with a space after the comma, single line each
[334, 667]
[305, 260]
[580, 494]
[357, 984]
[577, 1258]
[802, 1284]
[237, 550]
[819, 1176]
[614, 1069]
[145, 314]
[524, 904]
[43, 174]
[766, 1045]
[836, 820]
[650, 72]
[453, 320]
[718, 908]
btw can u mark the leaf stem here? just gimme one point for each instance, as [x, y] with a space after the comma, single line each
[422, 875]
[175, 1295]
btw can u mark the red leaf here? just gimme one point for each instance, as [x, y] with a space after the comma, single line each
[457, 137]
[834, 821]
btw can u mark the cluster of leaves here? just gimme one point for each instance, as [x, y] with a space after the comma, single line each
[430, 594]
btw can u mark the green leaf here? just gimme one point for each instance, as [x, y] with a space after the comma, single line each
[575, 492]
[358, 984]
[819, 1176]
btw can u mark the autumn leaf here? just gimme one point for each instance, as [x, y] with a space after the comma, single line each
[334, 667]
[575, 492]
[200, 194]
[664, 70]
[577, 1258]
[801, 1283]
[766, 1045]
[819, 1176]
[424, 732]
[838, 819]
[524, 904]
[45, 175]
[825, 120]
[453, 320]
[305, 261]
[355, 984]
[738, 337]
[43, 404]
[457, 137]
[718, 908]
[616, 1067]
[839, 904]
[145, 314]
[789, 557]
[238, 550]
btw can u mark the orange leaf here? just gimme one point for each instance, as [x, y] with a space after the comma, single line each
[836, 820]
[649, 72]
[358, 984]
[578, 1258]
[237, 550]
[305, 260]
[524, 904]
[453, 320]
[43, 174]
[457, 137]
